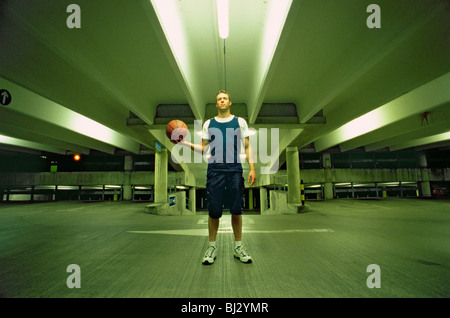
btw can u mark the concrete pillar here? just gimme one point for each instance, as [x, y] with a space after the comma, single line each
[127, 193]
[293, 175]
[161, 173]
[328, 187]
[193, 198]
[328, 191]
[262, 198]
[425, 184]
[128, 163]
[127, 190]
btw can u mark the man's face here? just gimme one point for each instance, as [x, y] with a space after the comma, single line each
[223, 102]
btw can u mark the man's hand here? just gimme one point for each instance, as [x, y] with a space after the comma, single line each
[252, 175]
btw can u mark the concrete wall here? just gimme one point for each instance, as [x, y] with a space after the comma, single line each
[77, 178]
[373, 175]
[279, 204]
[176, 205]
[127, 179]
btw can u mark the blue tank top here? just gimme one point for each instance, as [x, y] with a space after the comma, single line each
[225, 143]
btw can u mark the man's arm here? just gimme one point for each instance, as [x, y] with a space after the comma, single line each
[251, 162]
[195, 147]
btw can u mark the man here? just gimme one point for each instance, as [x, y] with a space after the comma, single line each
[224, 136]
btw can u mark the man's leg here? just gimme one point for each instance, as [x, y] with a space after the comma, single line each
[211, 252]
[214, 190]
[235, 193]
[236, 222]
[239, 251]
[213, 227]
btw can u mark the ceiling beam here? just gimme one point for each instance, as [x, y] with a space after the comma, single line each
[26, 133]
[64, 47]
[5, 140]
[431, 122]
[28, 103]
[48, 130]
[355, 71]
[444, 137]
[428, 96]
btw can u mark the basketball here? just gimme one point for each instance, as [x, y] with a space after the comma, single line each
[176, 130]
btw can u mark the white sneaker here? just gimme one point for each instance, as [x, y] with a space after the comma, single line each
[210, 256]
[241, 254]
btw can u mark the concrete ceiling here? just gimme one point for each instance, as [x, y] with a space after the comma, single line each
[330, 83]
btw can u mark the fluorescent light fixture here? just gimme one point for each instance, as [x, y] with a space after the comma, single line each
[142, 188]
[223, 18]
[172, 16]
[362, 125]
[170, 19]
[63, 187]
[278, 11]
[90, 128]
[274, 22]
[389, 184]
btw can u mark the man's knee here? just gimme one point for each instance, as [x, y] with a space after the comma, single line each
[215, 214]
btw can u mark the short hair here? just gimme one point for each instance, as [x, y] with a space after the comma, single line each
[223, 92]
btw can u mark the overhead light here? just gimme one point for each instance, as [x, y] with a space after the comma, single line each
[168, 13]
[275, 20]
[222, 18]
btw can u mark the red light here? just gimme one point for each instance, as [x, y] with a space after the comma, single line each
[76, 157]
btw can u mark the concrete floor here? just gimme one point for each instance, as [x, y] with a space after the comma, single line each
[124, 252]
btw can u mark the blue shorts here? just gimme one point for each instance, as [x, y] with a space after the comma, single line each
[224, 190]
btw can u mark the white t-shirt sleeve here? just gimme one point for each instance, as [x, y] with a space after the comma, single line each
[205, 133]
[244, 127]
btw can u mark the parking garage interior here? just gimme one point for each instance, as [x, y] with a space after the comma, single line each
[348, 104]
